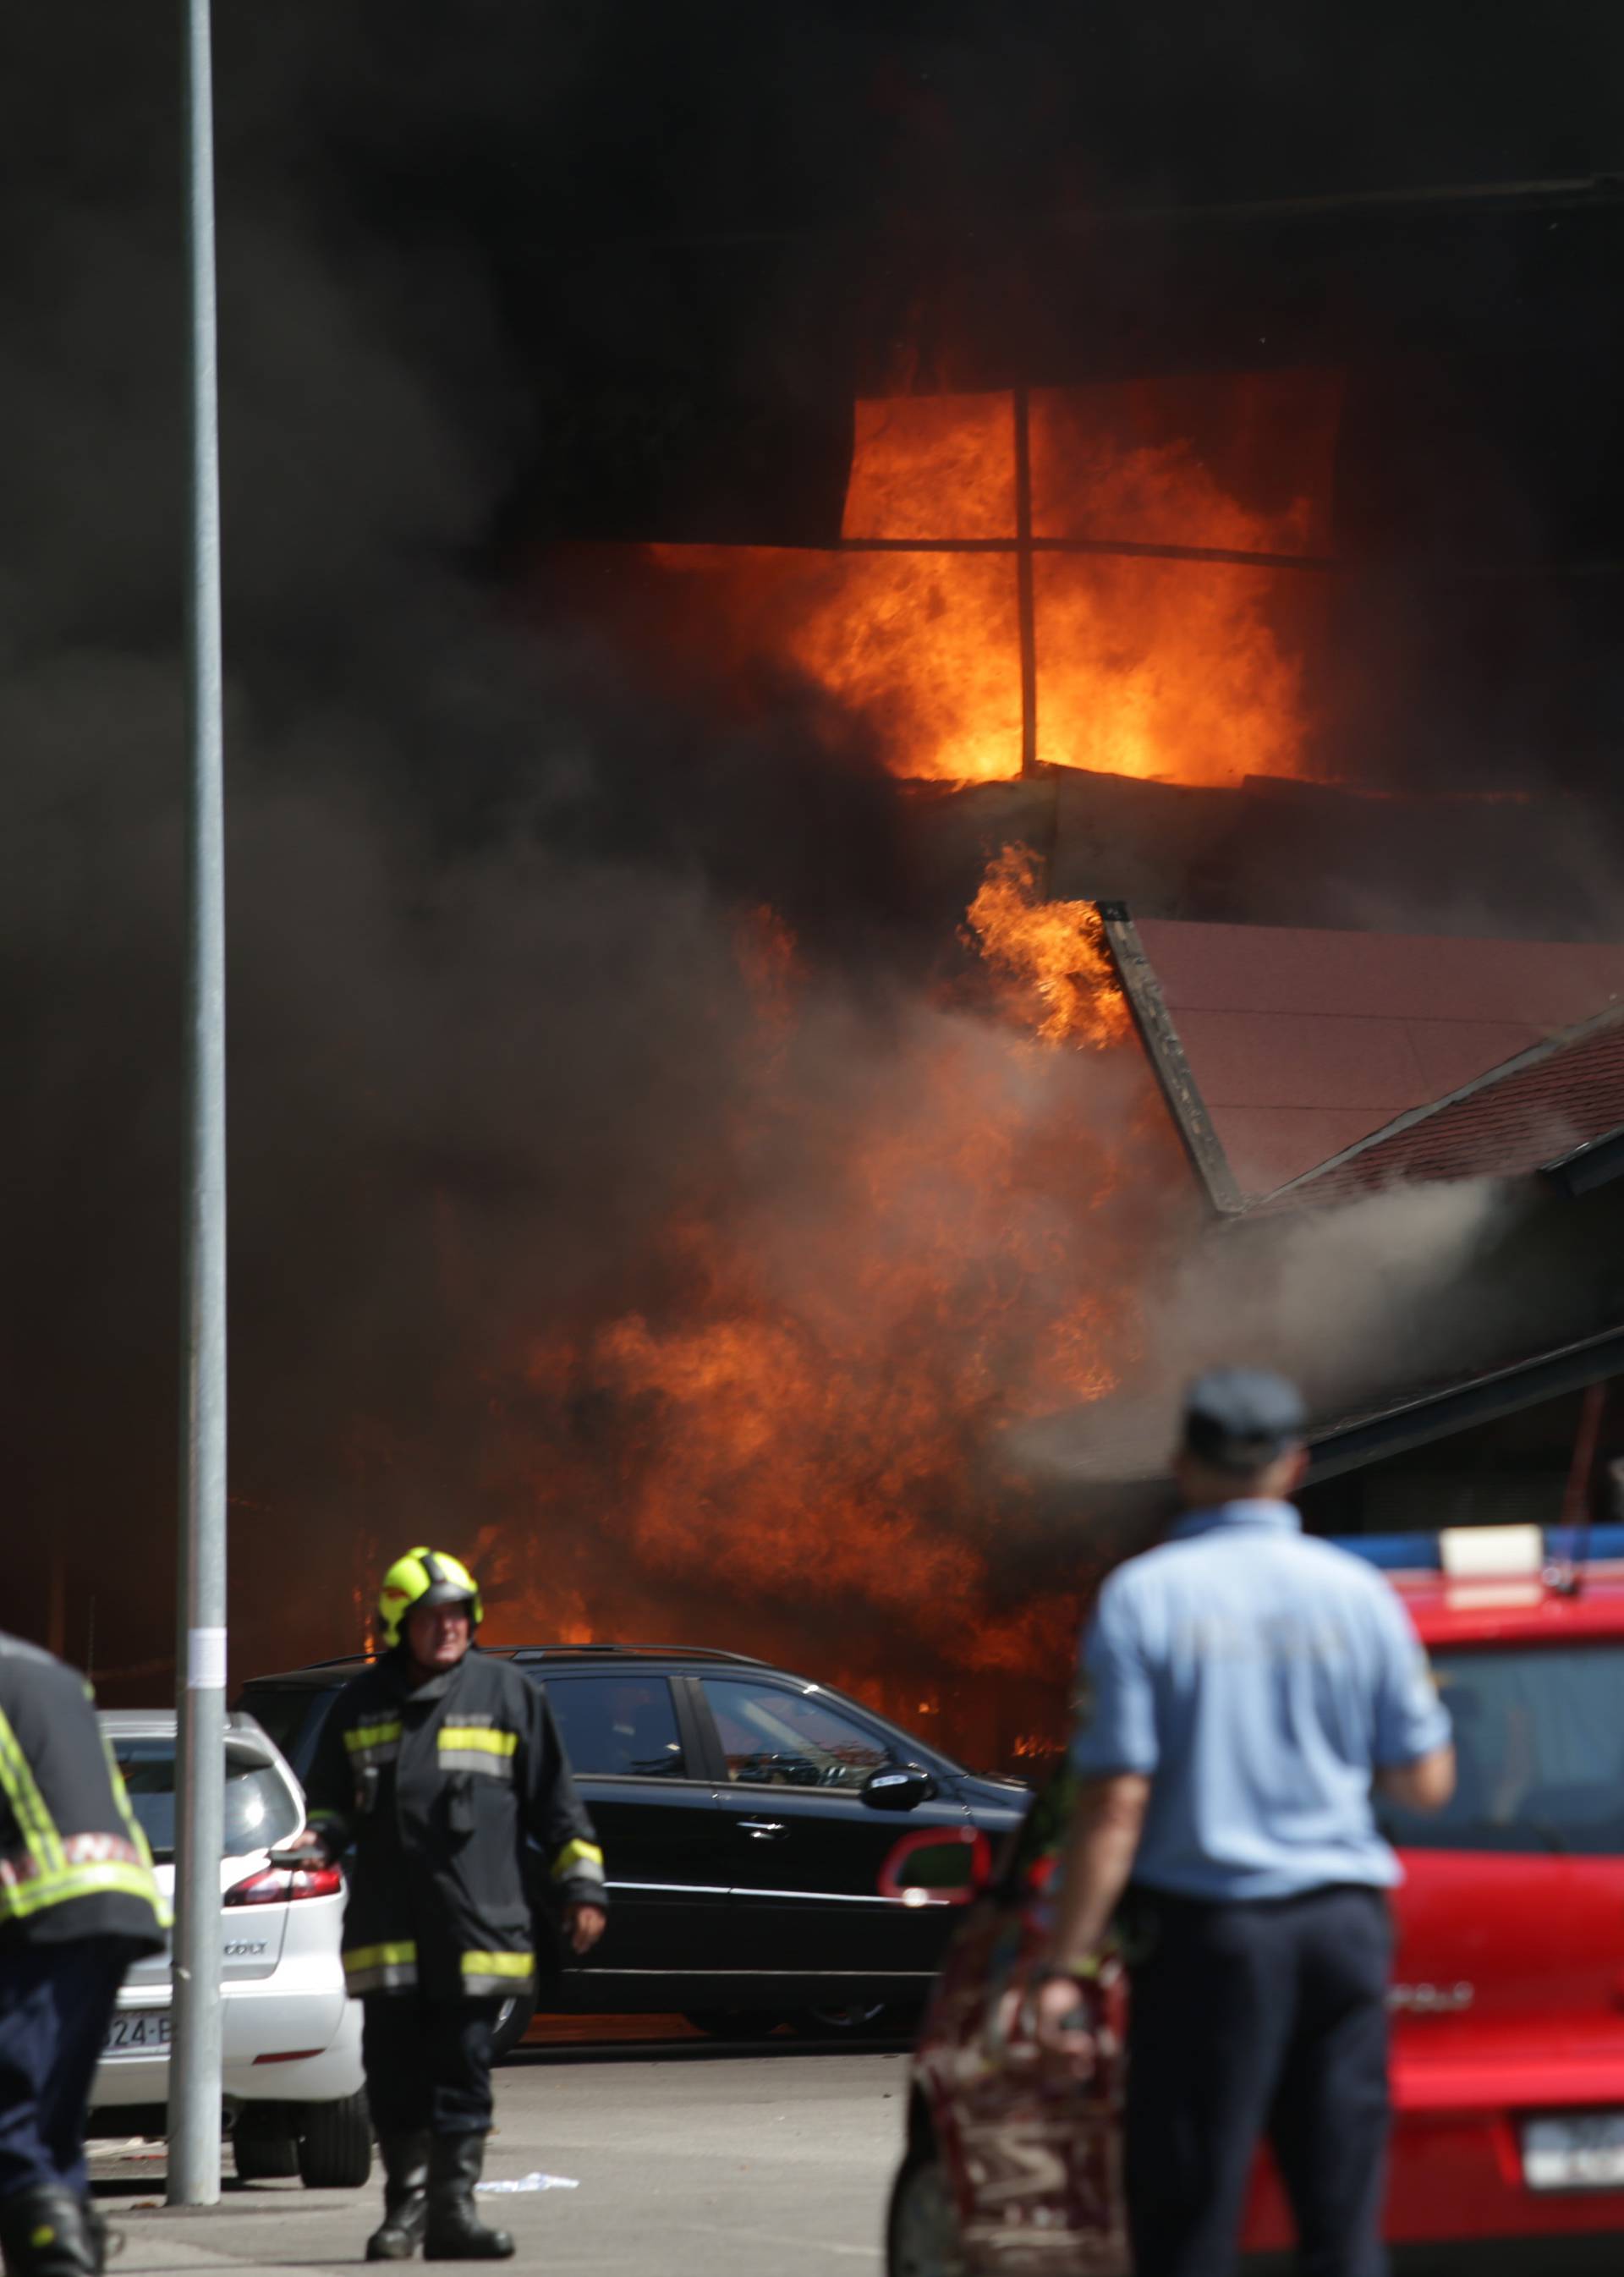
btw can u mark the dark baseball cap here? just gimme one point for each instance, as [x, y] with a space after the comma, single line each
[1241, 1418]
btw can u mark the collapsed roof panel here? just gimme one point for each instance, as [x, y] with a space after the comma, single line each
[1543, 1108]
[1302, 1043]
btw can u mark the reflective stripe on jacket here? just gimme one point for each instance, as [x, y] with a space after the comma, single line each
[73, 1861]
[436, 1793]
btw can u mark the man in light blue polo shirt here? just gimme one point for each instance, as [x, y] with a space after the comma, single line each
[1244, 1687]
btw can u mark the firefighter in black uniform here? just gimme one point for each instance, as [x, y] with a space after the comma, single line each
[78, 1904]
[437, 1765]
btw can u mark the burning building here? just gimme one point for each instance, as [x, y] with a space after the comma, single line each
[725, 606]
[829, 1396]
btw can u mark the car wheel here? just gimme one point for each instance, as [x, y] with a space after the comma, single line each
[513, 2021]
[921, 2233]
[733, 2023]
[264, 2149]
[335, 2145]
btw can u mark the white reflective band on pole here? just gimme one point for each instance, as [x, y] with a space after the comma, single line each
[205, 1660]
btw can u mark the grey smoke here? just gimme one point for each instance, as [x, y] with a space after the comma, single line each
[1359, 1305]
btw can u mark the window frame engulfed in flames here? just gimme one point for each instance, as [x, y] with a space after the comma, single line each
[1024, 545]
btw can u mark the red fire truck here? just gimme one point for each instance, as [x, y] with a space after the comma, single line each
[1508, 2003]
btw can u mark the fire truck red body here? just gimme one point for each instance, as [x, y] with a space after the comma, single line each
[1508, 1996]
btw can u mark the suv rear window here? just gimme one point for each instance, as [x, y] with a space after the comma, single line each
[1539, 1738]
[259, 1809]
[617, 1726]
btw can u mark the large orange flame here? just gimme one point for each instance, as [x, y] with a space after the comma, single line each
[1188, 670]
[922, 649]
[1053, 952]
[905, 1252]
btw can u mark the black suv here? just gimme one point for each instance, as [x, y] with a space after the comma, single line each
[746, 1817]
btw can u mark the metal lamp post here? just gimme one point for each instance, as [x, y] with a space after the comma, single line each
[200, 1780]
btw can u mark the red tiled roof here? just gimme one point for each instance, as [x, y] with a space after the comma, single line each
[1302, 1043]
[1564, 1094]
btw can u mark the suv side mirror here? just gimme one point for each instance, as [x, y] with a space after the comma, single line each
[897, 1787]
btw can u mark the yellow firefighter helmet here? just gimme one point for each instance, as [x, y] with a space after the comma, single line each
[426, 1577]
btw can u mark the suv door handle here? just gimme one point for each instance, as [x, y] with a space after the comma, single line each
[763, 1830]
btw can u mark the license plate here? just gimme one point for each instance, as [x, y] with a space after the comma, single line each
[138, 2032]
[1584, 2152]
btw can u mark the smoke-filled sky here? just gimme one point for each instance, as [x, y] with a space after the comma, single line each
[526, 1080]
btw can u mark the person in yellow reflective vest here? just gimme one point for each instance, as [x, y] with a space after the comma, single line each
[437, 1768]
[77, 1905]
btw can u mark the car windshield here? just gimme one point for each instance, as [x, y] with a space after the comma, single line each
[260, 1810]
[1539, 1738]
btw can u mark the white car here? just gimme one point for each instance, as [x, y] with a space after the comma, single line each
[291, 2035]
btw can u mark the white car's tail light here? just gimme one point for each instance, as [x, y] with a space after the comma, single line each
[274, 1885]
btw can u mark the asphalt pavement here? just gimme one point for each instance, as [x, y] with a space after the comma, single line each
[688, 2161]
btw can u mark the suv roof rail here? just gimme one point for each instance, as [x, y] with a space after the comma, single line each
[665, 1651]
[533, 1652]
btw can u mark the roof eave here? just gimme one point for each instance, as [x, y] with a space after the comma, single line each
[1164, 1049]
[1581, 1170]
[1440, 1414]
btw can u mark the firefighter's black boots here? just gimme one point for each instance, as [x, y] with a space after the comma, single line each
[406, 2198]
[455, 2231]
[45, 2234]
